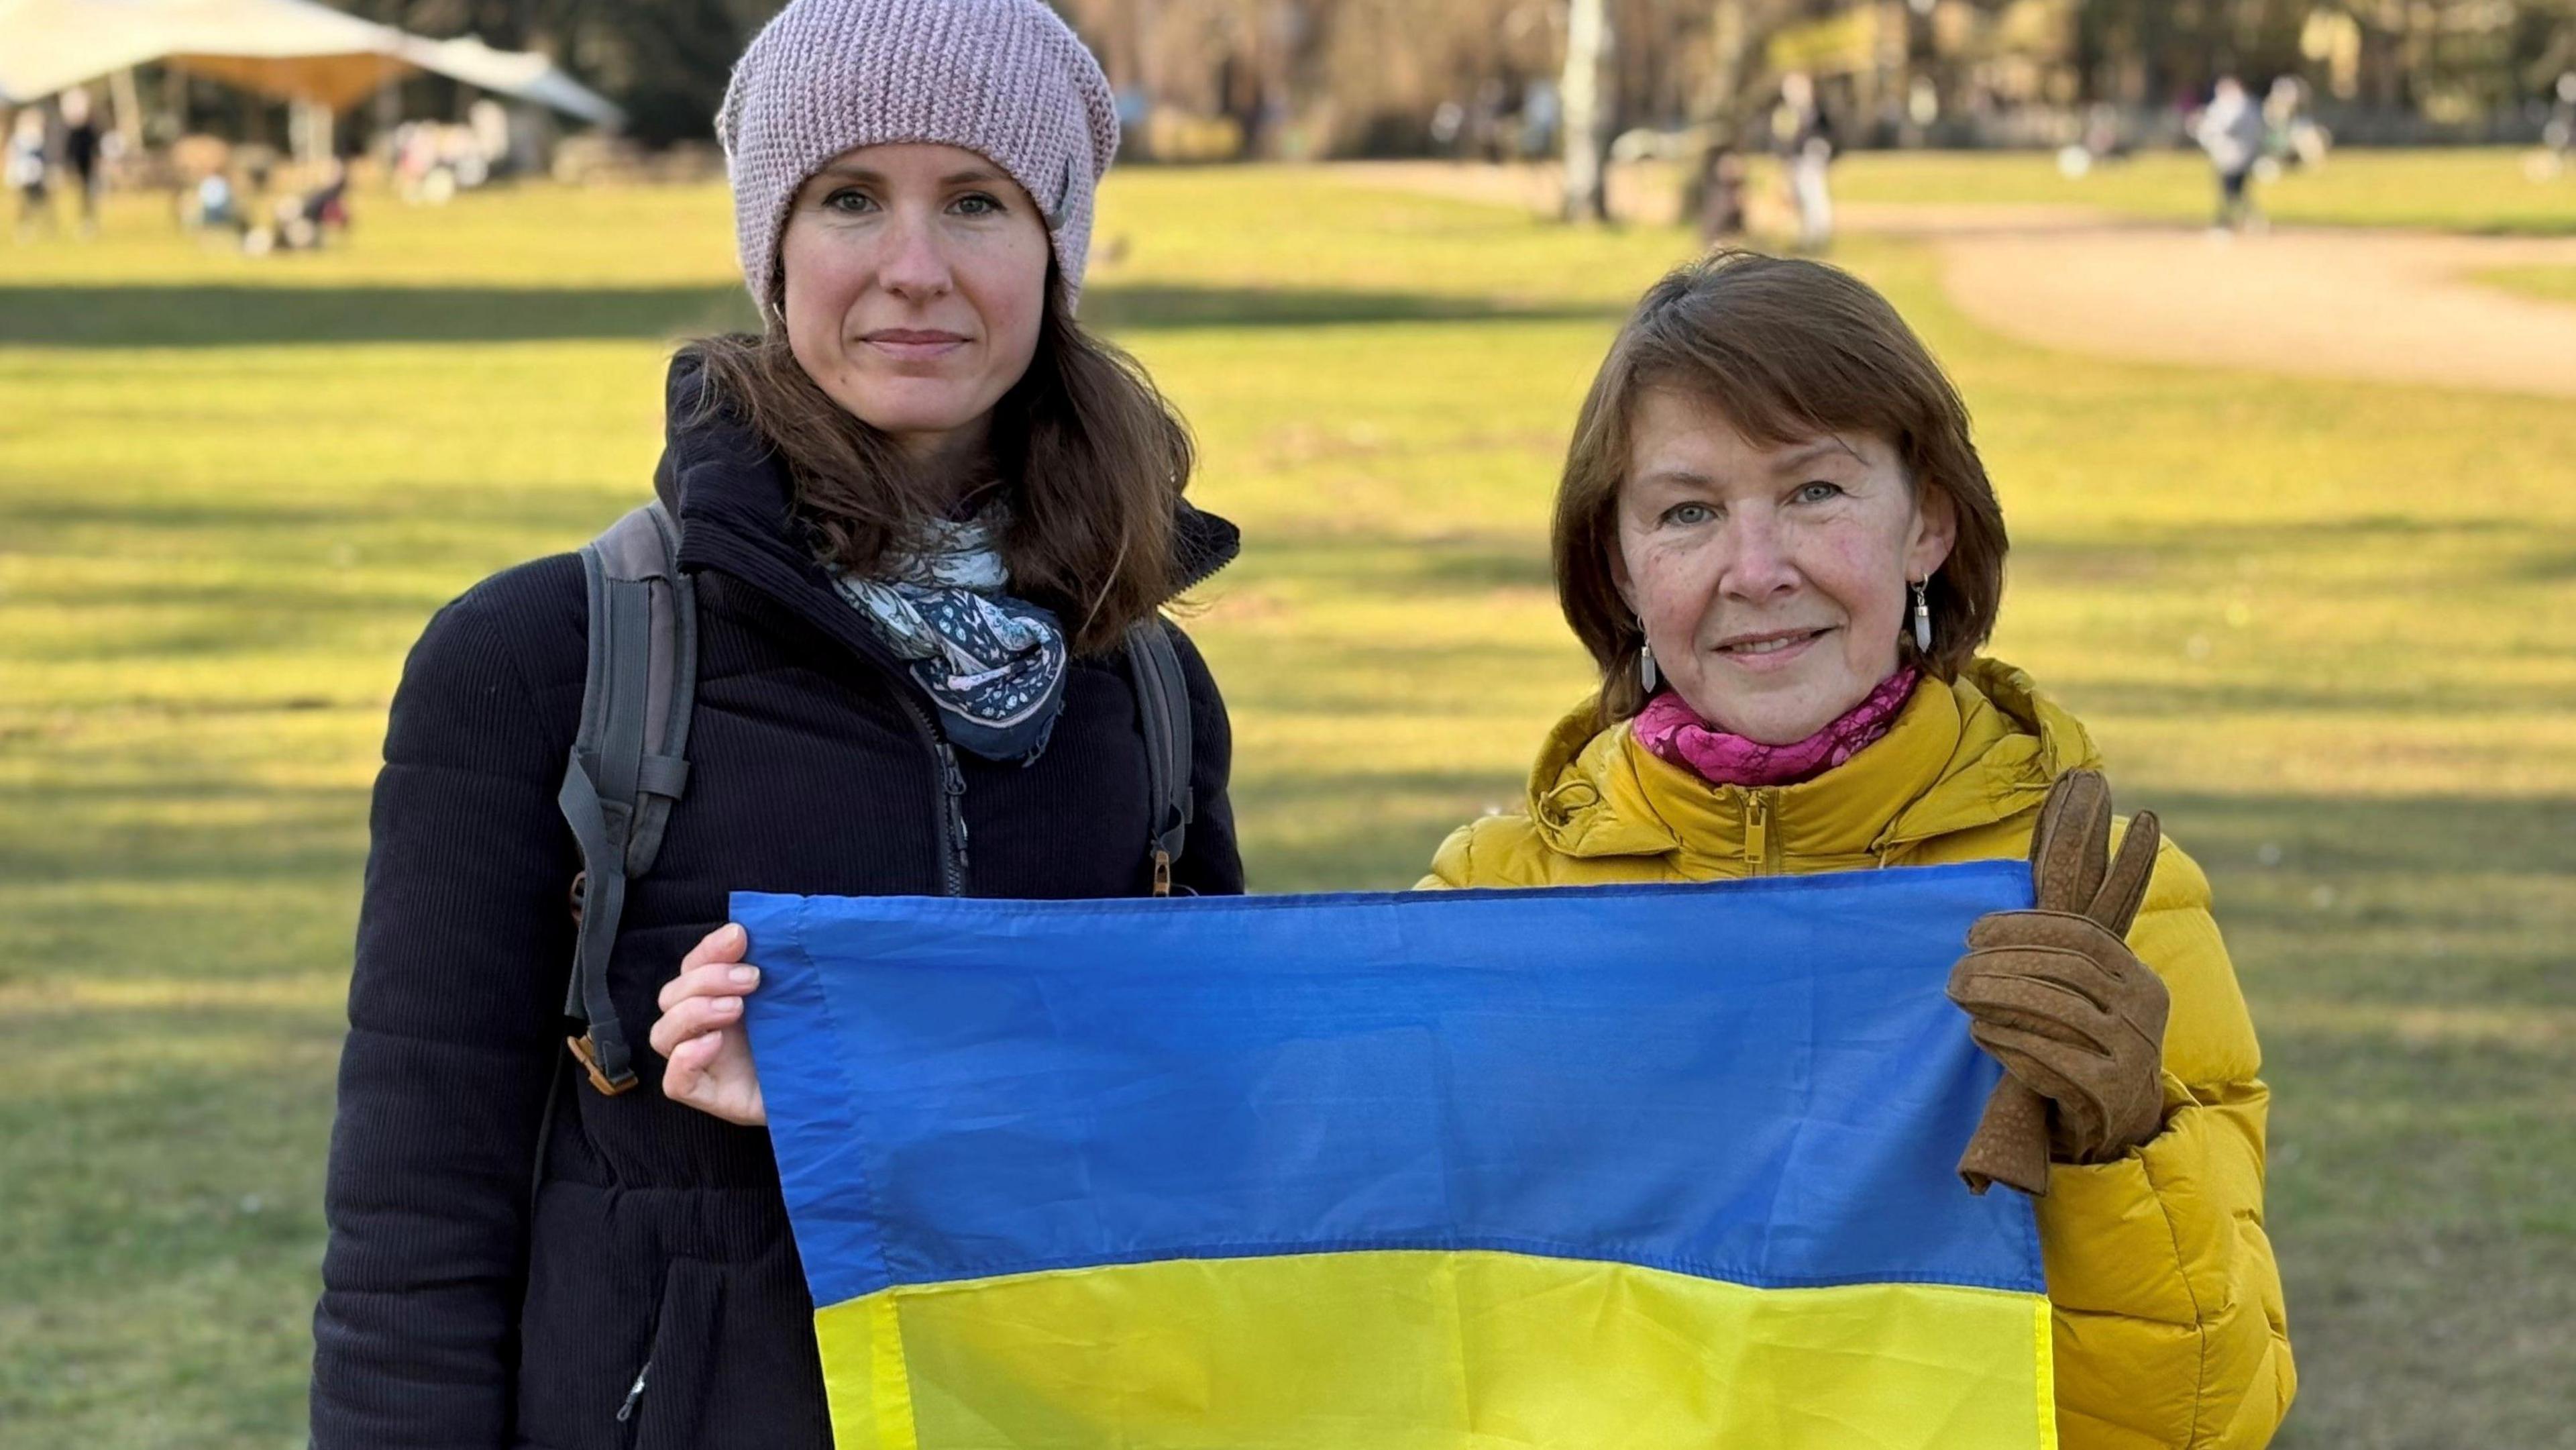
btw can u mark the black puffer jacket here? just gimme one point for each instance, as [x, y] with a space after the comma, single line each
[456, 1312]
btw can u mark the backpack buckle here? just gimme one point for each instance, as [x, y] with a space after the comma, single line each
[588, 1056]
[1162, 872]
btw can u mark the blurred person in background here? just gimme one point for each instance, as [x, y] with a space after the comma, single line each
[2232, 133]
[924, 510]
[2292, 138]
[30, 172]
[326, 207]
[432, 162]
[487, 132]
[213, 202]
[84, 146]
[302, 221]
[2560, 132]
[1776, 538]
[189, 164]
[1803, 135]
[1719, 193]
[415, 150]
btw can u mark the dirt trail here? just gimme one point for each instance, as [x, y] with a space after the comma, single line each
[2391, 306]
[2386, 305]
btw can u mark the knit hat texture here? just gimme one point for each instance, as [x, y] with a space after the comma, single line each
[1006, 79]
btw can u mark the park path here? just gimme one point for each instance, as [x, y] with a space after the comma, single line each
[2393, 306]
[2384, 305]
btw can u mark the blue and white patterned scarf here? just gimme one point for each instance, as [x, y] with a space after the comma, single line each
[993, 665]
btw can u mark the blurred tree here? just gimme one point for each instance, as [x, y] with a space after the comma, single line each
[1728, 100]
[1589, 104]
[674, 57]
[1336, 77]
[2390, 65]
[1327, 77]
[664, 61]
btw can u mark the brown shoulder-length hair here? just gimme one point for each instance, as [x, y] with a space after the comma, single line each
[1091, 456]
[1787, 350]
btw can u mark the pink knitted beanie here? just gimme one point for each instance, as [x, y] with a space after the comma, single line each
[1005, 79]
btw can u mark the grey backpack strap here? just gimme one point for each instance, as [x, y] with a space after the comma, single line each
[1163, 708]
[629, 758]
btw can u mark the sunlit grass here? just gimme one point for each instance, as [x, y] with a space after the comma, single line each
[2320, 625]
[2488, 189]
[2551, 284]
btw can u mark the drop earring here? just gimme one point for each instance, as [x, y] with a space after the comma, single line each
[1922, 618]
[1647, 674]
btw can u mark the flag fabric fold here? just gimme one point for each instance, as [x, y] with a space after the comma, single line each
[1619, 1167]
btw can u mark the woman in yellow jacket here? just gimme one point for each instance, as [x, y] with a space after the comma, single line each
[1777, 540]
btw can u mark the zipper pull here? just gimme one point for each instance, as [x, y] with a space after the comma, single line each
[626, 1412]
[953, 780]
[1757, 829]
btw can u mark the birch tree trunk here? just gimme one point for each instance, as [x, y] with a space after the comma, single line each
[1587, 105]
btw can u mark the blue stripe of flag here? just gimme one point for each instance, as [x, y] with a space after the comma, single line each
[1757, 1081]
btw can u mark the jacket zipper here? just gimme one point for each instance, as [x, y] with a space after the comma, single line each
[634, 1395]
[1155, 714]
[953, 818]
[1760, 857]
[952, 794]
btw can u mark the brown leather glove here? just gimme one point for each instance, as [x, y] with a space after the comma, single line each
[2057, 996]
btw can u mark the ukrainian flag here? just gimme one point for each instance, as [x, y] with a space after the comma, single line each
[1627, 1168]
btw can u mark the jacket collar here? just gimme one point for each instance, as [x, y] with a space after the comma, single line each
[736, 505]
[1981, 749]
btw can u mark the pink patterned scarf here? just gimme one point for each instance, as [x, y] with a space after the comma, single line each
[1675, 732]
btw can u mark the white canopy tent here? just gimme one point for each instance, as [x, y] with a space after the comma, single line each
[519, 74]
[294, 50]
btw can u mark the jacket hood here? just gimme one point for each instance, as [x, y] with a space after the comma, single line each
[1981, 749]
[736, 505]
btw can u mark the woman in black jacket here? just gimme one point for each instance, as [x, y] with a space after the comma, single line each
[921, 511]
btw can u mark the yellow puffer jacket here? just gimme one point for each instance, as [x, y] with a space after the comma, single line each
[2169, 1326]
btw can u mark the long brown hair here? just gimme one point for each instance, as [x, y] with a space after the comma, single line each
[1093, 459]
[1786, 349]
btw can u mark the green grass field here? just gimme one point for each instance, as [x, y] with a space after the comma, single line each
[2484, 190]
[2552, 284]
[2321, 626]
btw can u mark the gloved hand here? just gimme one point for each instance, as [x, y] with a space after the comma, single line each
[2057, 996]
